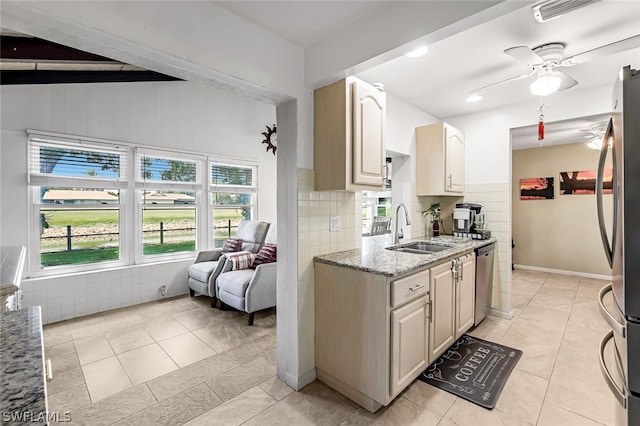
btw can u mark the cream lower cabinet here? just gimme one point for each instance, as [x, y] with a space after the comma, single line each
[465, 293]
[452, 293]
[375, 334]
[371, 332]
[443, 299]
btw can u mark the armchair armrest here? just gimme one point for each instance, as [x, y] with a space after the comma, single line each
[208, 255]
[261, 292]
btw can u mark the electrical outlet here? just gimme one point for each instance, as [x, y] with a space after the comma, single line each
[334, 223]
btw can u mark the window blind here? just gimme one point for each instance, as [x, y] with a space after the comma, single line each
[233, 176]
[67, 162]
[157, 169]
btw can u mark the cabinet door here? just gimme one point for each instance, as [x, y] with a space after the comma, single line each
[454, 159]
[465, 294]
[368, 134]
[443, 296]
[409, 340]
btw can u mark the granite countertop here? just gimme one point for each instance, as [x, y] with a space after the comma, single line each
[373, 257]
[22, 381]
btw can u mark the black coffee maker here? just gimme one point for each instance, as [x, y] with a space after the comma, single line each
[468, 222]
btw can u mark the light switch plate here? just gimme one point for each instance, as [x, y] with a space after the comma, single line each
[334, 223]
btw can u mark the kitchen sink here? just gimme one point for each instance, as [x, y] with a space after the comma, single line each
[421, 247]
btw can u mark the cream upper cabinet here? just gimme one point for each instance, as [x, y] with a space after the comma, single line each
[439, 160]
[349, 119]
[443, 297]
[465, 293]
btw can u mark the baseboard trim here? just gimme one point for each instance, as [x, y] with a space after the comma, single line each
[365, 401]
[298, 383]
[500, 314]
[563, 272]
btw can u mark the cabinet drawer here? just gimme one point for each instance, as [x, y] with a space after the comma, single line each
[409, 288]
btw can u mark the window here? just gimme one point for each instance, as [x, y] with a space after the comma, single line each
[377, 203]
[374, 204]
[167, 186]
[98, 204]
[233, 197]
[76, 189]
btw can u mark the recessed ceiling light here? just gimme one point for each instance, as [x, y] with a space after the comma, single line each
[474, 97]
[420, 51]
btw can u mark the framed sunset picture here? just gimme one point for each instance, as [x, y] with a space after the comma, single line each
[584, 182]
[536, 188]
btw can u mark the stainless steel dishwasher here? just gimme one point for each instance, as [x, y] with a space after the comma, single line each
[484, 281]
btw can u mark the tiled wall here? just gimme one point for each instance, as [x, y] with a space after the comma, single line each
[314, 212]
[314, 238]
[496, 199]
[70, 296]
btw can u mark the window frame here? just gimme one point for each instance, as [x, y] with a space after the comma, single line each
[142, 184]
[213, 188]
[36, 180]
[130, 206]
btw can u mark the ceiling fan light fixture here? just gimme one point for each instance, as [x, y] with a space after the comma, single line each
[474, 97]
[595, 143]
[416, 53]
[545, 85]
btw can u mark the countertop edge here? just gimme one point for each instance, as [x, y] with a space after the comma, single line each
[390, 263]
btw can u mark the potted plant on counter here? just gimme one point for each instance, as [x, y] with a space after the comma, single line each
[434, 212]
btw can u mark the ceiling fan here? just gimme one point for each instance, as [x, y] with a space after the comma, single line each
[545, 62]
[595, 135]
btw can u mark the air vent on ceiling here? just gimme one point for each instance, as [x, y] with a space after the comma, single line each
[551, 9]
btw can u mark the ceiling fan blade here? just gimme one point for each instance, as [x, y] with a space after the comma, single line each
[606, 50]
[524, 55]
[567, 82]
[497, 83]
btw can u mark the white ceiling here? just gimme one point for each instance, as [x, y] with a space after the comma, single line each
[303, 23]
[578, 130]
[439, 82]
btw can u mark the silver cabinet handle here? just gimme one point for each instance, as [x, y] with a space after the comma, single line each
[618, 393]
[418, 287]
[610, 319]
[461, 272]
[429, 310]
[48, 370]
[450, 180]
[454, 269]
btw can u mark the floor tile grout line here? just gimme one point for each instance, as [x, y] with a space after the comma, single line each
[553, 367]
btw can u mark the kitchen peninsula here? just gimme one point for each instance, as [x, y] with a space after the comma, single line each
[382, 316]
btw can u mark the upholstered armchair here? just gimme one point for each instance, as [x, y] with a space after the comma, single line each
[210, 263]
[249, 290]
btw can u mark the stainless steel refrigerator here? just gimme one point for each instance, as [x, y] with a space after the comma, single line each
[622, 145]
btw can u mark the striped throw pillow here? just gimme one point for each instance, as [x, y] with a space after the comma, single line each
[232, 245]
[267, 254]
[240, 260]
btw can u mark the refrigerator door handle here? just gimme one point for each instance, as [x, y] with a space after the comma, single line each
[618, 393]
[606, 141]
[610, 319]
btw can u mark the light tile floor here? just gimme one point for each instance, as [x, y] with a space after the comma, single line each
[178, 362]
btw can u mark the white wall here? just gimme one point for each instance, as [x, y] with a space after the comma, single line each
[488, 155]
[177, 115]
[572, 220]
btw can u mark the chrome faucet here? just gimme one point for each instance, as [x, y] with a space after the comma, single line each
[397, 235]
